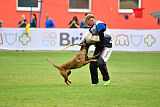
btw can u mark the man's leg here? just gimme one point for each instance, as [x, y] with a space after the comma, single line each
[102, 63]
[103, 68]
[93, 68]
[106, 54]
[94, 72]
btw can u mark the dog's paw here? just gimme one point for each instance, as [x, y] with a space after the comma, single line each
[69, 81]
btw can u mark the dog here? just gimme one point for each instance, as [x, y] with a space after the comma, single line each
[78, 61]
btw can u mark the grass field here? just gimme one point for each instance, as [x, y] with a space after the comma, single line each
[28, 80]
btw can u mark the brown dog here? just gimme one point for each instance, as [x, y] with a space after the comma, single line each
[78, 61]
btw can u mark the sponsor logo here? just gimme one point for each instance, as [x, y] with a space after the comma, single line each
[122, 40]
[149, 40]
[136, 40]
[49, 38]
[11, 38]
[1, 39]
[24, 39]
[66, 40]
[52, 42]
[45, 42]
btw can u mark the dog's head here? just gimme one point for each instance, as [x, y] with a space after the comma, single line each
[84, 46]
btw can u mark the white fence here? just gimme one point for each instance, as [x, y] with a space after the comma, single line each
[57, 39]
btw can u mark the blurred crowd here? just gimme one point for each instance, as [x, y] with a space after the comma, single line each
[49, 23]
[75, 24]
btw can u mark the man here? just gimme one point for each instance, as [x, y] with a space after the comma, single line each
[23, 22]
[83, 24]
[49, 22]
[104, 46]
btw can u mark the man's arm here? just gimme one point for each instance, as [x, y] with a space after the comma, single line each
[70, 24]
[101, 27]
[52, 23]
[77, 25]
[20, 23]
[46, 24]
[83, 40]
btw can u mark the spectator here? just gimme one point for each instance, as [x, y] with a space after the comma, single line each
[83, 24]
[23, 22]
[49, 22]
[74, 23]
[1, 23]
[34, 21]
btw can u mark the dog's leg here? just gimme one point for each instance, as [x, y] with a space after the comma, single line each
[94, 56]
[64, 74]
[88, 61]
[68, 73]
[69, 81]
[66, 79]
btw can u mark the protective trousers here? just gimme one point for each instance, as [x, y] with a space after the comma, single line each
[101, 64]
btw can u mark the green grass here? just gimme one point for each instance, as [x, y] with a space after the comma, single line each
[28, 80]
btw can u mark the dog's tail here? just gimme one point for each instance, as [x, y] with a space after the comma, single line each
[52, 63]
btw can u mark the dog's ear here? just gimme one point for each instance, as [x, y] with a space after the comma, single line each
[84, 44]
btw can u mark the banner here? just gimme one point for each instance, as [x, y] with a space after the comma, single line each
[57, 39]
